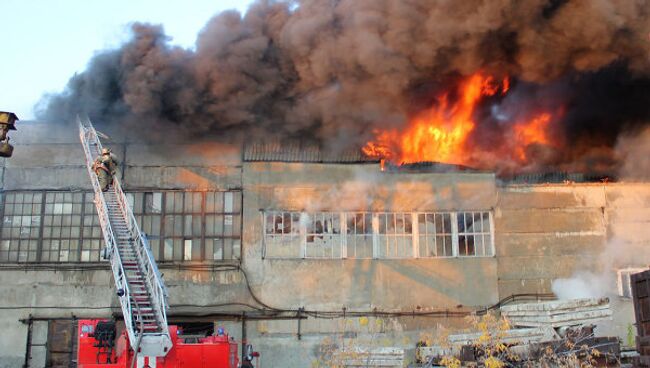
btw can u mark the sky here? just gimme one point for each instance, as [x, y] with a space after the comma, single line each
[44, 42]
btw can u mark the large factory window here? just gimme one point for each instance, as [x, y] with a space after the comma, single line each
[64, 227]
[383, 235]
[21, 227]
[283, 238]
[474, 234]
[323, 235]
[395, 235]
[435, 235]
[359, 239]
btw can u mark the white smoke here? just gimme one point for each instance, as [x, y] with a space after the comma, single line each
[599, 279]
[583, 285]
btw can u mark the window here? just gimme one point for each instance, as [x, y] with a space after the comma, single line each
[395, 233]
[323, 235]
[435, 235]
[623, 281]
[474, 234]
[21, 227]
[64, 226]
[359, 239]
[377, 235]
[282, 230]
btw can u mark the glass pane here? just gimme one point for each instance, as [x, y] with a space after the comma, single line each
[178, 202]
[196, 225]
[228, 202]
[197, 200]
[446, 218]
[196, 249]
[188, 225]
[461, 222]
[478, 226]
[462, 245]
[218, 202]
[169, 249]
[209, 202]
[469, 222]
[187, 208]
[187, 250]
[178, 249]
[227, 225]
[209, 249]
[408, 223]
[470, 245]
[169, 202]
[236, 202]
[218, 249]
[155, 248]
[487, 243]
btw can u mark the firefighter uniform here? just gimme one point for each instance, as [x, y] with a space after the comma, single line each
[105, 167]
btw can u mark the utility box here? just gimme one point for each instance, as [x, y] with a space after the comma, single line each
[7, 123]
[641, 297]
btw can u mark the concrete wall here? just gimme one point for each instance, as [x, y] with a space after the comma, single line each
[542, 232]
[545, 232]
[582, 232]
[361, 284]
[51, 157]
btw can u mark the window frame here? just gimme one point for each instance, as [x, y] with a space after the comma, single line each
[68, 230]
[627, 273]
[379, 238]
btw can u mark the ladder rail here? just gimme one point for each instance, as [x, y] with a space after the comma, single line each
[119, 274]
[151, 274]
[138, 243]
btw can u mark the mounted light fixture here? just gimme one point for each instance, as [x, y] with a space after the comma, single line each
[7, 123]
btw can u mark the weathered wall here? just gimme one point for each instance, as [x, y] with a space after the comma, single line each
[542, 232]
[546, 232]
[386, 284]
[52, 158]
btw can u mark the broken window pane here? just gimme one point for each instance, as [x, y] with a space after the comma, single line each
[475, 234]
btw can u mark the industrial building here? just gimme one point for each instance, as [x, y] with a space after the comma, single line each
[294, 249]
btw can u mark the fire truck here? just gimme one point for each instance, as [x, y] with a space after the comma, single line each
[146, 340]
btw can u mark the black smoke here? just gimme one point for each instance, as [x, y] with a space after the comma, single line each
[332, 71]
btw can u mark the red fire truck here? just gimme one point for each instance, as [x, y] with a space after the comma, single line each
[99, 347]
[145, 340]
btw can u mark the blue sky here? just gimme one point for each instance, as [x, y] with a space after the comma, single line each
[44, 42]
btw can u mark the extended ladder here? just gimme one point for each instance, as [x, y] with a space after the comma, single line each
[140, 289]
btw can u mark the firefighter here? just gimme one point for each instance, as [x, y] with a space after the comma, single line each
[105, 167]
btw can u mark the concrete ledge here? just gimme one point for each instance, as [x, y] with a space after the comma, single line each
[549, 220]
[527, 267]
[66, 177]
[549, 244]
[172, 177]
[551, 197]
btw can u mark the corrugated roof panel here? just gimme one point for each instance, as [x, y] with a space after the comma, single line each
[296, 152]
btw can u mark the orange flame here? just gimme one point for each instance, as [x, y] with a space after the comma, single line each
[440, 133]
[530, 133]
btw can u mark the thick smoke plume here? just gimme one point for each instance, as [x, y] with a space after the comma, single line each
[332, 71]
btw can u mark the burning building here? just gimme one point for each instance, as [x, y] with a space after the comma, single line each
[449, 155]
[293, 249]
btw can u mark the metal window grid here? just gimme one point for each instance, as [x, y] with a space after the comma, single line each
[62, 226]
[383, 235]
